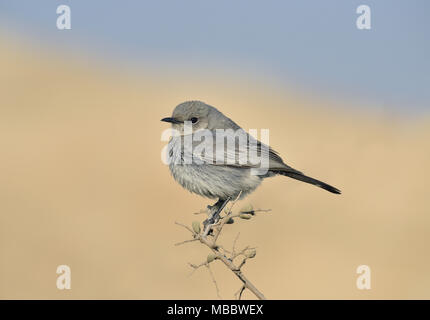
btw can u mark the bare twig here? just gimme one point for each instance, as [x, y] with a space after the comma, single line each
[220, 253]
[238, 294]
[243, 262]
[262, 210]
[186, 241]
[233, 250]
[195, 267]
[183, 225]
[213, 280]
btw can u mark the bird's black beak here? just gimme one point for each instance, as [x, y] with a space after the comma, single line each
[171, 120]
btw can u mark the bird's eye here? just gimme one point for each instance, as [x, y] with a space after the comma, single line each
[194, 120]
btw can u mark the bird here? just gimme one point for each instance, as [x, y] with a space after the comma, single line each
[221, 180]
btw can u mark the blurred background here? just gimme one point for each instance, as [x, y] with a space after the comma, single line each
[83, 184]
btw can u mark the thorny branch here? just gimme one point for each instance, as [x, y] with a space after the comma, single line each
[220, 253]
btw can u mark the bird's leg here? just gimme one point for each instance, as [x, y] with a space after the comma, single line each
[214, 212]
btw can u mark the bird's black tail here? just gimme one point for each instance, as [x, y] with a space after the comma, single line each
[300, 176]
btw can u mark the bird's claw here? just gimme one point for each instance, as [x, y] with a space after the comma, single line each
[208, 223]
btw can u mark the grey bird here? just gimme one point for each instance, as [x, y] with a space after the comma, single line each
[222, 181]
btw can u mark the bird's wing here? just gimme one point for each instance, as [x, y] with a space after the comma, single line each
[235, 149]
[244, 151]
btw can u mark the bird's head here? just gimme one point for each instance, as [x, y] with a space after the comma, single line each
[195, 114]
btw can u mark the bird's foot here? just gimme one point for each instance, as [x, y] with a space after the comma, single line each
[214, 215]
[211, 220]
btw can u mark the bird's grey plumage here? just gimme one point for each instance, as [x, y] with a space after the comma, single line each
[235, 174]
[210, 180]
[224, 180]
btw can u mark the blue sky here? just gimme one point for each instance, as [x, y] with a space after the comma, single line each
[312, 45]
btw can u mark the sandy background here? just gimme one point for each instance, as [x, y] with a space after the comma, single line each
[82, 184]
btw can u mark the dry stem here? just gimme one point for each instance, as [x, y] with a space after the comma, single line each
[227, 257]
